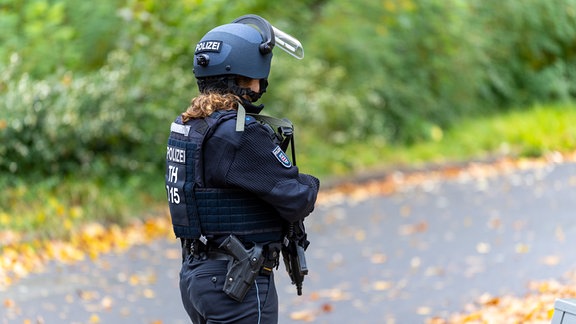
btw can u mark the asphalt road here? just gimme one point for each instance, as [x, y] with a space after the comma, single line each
[425, 251]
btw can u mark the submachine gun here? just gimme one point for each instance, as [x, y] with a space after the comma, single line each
[295, 240]
[293, 247]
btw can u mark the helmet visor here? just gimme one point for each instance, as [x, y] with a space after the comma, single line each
[288, 43]
[273, 36]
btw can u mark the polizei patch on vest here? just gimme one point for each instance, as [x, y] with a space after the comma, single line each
[281, 156]
[209, 46]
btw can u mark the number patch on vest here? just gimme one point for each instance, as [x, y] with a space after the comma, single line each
[281, 156]
[175, 178]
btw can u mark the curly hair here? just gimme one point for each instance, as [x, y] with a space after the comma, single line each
[206, 103]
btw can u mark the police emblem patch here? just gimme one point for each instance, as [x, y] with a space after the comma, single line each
[281, 156]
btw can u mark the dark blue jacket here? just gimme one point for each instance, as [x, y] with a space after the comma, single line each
[250, 160]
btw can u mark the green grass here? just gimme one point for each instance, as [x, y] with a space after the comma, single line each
[518, 133]
[52, 208]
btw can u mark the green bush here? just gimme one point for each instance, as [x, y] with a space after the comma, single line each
[529, 51]
[99, 124]
[53, 35]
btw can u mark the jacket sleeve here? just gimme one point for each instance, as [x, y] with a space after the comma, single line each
[259, 166]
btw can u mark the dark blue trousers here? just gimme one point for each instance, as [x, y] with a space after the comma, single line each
[201, 283]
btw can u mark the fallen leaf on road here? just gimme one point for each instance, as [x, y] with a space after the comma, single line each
[314, 295]
[405, 211]
[94, 319]
[106, 302]
[18, 259]
[415, 262]
[522, 248]
[173, 254]
[378, 258]
[360, 235]
[88, 295]
[9, 303]
[382, 285]
[306, 316]
[495, 223]
[483, 248]
[335, 294]
[423, 310]
[410, 229]
[559, 233]
[536, 307]
[550, 260]
[327, 308]
[149, 293]
[434, 271]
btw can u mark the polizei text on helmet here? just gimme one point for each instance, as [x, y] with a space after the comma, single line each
[208, 46]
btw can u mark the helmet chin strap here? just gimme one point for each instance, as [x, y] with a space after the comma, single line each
[226, 84]
[247, 92]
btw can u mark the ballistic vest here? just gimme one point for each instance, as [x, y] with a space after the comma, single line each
[198, 212]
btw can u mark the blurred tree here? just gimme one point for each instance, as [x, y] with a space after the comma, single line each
[530, 52]
[52, 35]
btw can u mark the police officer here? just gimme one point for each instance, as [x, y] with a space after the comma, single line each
[228, 179]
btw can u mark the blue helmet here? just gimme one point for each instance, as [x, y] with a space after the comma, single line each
[243, 47]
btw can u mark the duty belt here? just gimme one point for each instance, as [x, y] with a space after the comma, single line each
[200, 251]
